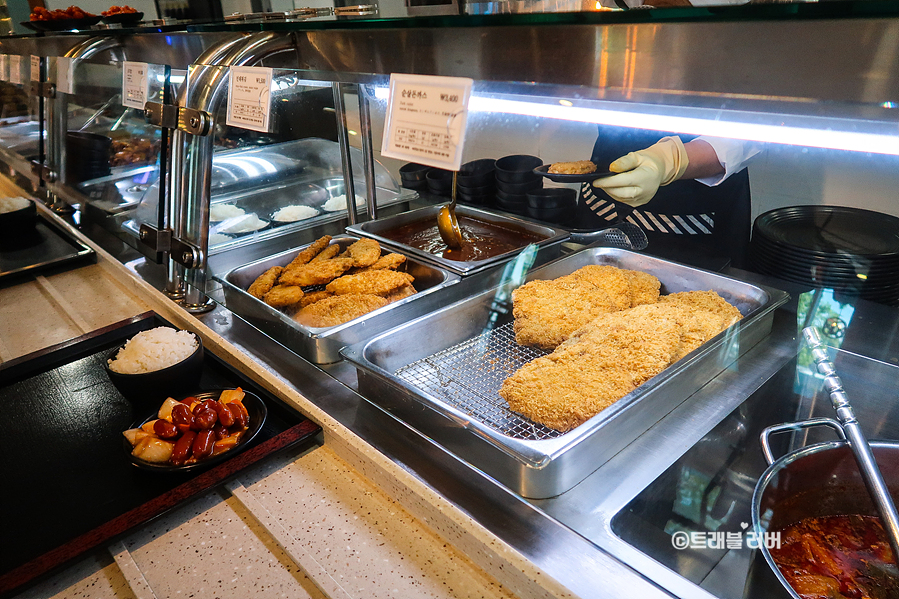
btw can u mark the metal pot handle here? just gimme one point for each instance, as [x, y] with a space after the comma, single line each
[795, 426]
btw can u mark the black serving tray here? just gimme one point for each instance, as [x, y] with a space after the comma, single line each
[48, 246]
[68, 486]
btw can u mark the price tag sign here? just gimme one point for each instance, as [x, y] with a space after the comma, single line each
[35, 68]
[426, 119]
[4, 67]
[65, 75]
[249, 98]
[15, 69]
[135, 84]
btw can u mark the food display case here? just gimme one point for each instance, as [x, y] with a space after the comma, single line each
[679, 454]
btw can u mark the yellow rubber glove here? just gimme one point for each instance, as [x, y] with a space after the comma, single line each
[644, 171]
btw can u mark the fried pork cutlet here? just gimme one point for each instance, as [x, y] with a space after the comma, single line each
[314, 296]
[610, 279]
[282, 296]
[707, 300]
[401, 293]
[644, 287]
[315, 273]
[364, 252]
[264, 282]
[547, 312]
[577, 167]
[389, 262]
[338, 309]
[306, 255]
[327, 253]
[590, 372]
[370, 282]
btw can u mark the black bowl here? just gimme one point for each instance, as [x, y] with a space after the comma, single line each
[439, 179]
[550, 215]
[417, 185]
[518, 168]
[124, 17]
[18, 223]
[477, 173]
[255, 409]
[151, 388]
[476, 191]
[552, 197]
[517, 198]
[412, 171]
[475, 199]
[519, 188]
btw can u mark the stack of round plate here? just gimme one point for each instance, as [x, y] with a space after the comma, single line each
[836, 247]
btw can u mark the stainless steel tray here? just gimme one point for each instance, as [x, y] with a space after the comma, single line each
[374, 229]
[322, 345]
[452, 363]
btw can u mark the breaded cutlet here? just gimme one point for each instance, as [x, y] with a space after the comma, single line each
[547, 312]
[264, 282]
[364, 252]
[338, 309]
[327, 253]
[707, 300]
[644, 287]
[371, 282]
[315, 273]
[304, 256]
[610, 279]
[282, 296]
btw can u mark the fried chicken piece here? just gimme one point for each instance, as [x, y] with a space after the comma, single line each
[264, 282]
[577, 167]
[282, 296]
[314, 296]
[707, 300]
[327, 253]
[644, 287]
[547, 312]
[592, 370]
[315, 273]
[306, 255]
[338, 309]
[364, 252]
[371, 282]
[401, 293]
[610, 279]
[390, 261]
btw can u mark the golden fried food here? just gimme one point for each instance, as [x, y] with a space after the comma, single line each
[547, 312]
[707, 300]
[578, 167]
[610, 279]
[372, 282]
[315, 273]
[644, 287]
[282, 296]
[338, 309]
[306, 255]
[401, 293]
[390, 261]
[582, 377]
[327, 253]
[364, 252]
[314, 296]
[265, 282]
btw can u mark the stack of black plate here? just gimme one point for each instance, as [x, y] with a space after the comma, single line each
[849, 250]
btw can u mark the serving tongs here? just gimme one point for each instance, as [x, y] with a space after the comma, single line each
[849, 427]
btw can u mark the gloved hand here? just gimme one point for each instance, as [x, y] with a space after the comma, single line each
[642, 172]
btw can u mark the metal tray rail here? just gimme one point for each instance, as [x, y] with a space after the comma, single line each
[442, 362]
[322, 345]
[551, 237]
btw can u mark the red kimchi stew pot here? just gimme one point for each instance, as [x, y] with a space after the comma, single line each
[809, 487]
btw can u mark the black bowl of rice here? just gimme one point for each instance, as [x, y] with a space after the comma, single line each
[156, 364]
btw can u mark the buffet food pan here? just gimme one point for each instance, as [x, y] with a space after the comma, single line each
[322, 345]
[546, 237]
[442, 372]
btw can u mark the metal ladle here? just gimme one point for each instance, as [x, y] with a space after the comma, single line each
[448, 224]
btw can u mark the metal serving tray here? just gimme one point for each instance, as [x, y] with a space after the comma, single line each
[322, 345]
[453, 361]
[374, 229]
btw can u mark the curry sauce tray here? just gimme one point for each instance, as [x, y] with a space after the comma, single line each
[71, 486]
[441, 373]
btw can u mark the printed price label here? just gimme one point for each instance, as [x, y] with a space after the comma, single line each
[135, 84]
[249, 98]
[426, 119]
[4, 67]
[15, 69]
[35, 68]
[65, 75]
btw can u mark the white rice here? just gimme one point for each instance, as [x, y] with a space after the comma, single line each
[13, 204]
[290, 214]
[217, 238]
[339, 203]
[153, 350]
[220, 212]
[242, 224]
